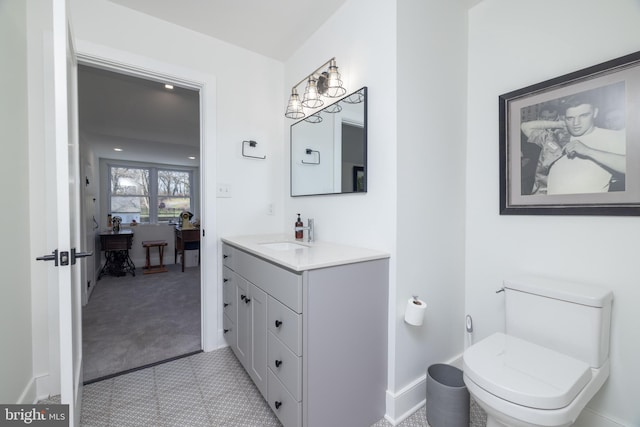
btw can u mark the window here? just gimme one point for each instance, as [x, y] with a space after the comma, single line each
[149, 194]
[174, 193]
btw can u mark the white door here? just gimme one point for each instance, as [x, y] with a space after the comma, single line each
[66, 207]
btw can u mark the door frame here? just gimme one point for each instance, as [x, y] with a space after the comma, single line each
[115, 60]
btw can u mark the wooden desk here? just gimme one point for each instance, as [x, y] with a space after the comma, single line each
[116, 247]
[182, 237]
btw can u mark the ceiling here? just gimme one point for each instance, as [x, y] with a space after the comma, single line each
[152, 123]
[141, 117]
[274, 28]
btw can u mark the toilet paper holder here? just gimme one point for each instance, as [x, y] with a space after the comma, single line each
[414, 313]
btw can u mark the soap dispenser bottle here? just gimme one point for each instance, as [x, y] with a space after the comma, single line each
[299, 233]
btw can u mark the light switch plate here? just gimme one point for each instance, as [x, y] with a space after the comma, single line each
[223, 190]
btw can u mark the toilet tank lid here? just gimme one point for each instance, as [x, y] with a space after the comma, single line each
[579, 293]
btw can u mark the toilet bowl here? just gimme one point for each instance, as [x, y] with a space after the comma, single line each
[520, 384]
[552, 358]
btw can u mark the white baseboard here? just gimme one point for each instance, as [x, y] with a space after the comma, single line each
[590, 418]
[406, 401]
[403, 403]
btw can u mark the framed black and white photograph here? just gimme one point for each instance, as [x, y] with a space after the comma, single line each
[571, 145]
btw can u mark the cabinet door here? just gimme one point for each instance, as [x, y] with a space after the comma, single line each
[258, 360]
[243, 325]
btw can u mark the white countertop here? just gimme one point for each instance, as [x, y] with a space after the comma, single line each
[314, 255]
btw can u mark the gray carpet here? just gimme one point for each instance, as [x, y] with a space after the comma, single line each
[135, 321]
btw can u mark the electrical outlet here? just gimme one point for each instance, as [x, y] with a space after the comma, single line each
[270, 210]
[224, 190]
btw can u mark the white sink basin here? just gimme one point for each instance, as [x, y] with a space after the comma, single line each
[283, 246]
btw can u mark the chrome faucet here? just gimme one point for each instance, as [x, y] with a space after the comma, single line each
[309, 229]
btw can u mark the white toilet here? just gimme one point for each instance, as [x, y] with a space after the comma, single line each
[552, 359]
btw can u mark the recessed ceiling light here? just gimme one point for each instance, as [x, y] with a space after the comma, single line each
[117, 149]
[168, 86]
[192, 157]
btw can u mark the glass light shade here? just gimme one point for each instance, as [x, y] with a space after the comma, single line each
[294, 108]
[334, 82]
[311, 97]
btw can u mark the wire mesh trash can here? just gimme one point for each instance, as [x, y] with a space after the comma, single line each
[447, 397]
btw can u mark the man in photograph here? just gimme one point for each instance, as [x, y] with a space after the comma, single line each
[591, 157]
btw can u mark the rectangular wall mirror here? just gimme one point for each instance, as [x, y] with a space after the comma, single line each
[329, 149]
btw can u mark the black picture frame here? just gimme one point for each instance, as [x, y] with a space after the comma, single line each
[529, 151]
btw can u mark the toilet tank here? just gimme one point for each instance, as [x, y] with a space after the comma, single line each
[568, 317]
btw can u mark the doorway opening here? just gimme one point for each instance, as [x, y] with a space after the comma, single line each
[140, 159]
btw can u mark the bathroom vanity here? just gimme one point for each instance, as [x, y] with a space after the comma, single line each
[308, 321]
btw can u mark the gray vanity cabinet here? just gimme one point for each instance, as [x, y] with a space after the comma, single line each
[313, 341]
[245, 324]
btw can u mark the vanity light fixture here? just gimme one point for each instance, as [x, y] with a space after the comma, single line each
[314, 118]
[311, 96]
[321, 82]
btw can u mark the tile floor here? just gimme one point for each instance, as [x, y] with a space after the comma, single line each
[206, 389]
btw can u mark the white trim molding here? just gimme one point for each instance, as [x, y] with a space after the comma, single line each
[403, 403]
[108, 58]
[590, 418]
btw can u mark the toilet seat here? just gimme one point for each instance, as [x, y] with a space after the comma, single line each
[525, 373]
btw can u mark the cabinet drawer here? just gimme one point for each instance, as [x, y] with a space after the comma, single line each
[285, 365]
[285, 324]
[286, 408]
[283, 285]
[229, 331]
[228, 257]
[229, 306]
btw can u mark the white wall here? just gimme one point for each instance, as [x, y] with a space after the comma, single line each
[361, 35]
[513, 45]
[248, 88]
[414, 208]
[16, 369]
[431, 109]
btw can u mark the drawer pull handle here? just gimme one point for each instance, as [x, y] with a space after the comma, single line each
[225, 304]
[225, 256]
[243, 297]
[278, 363]
[225, 280]
[226, 330]
[246, 300]
[278, 404]
[278, 323]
